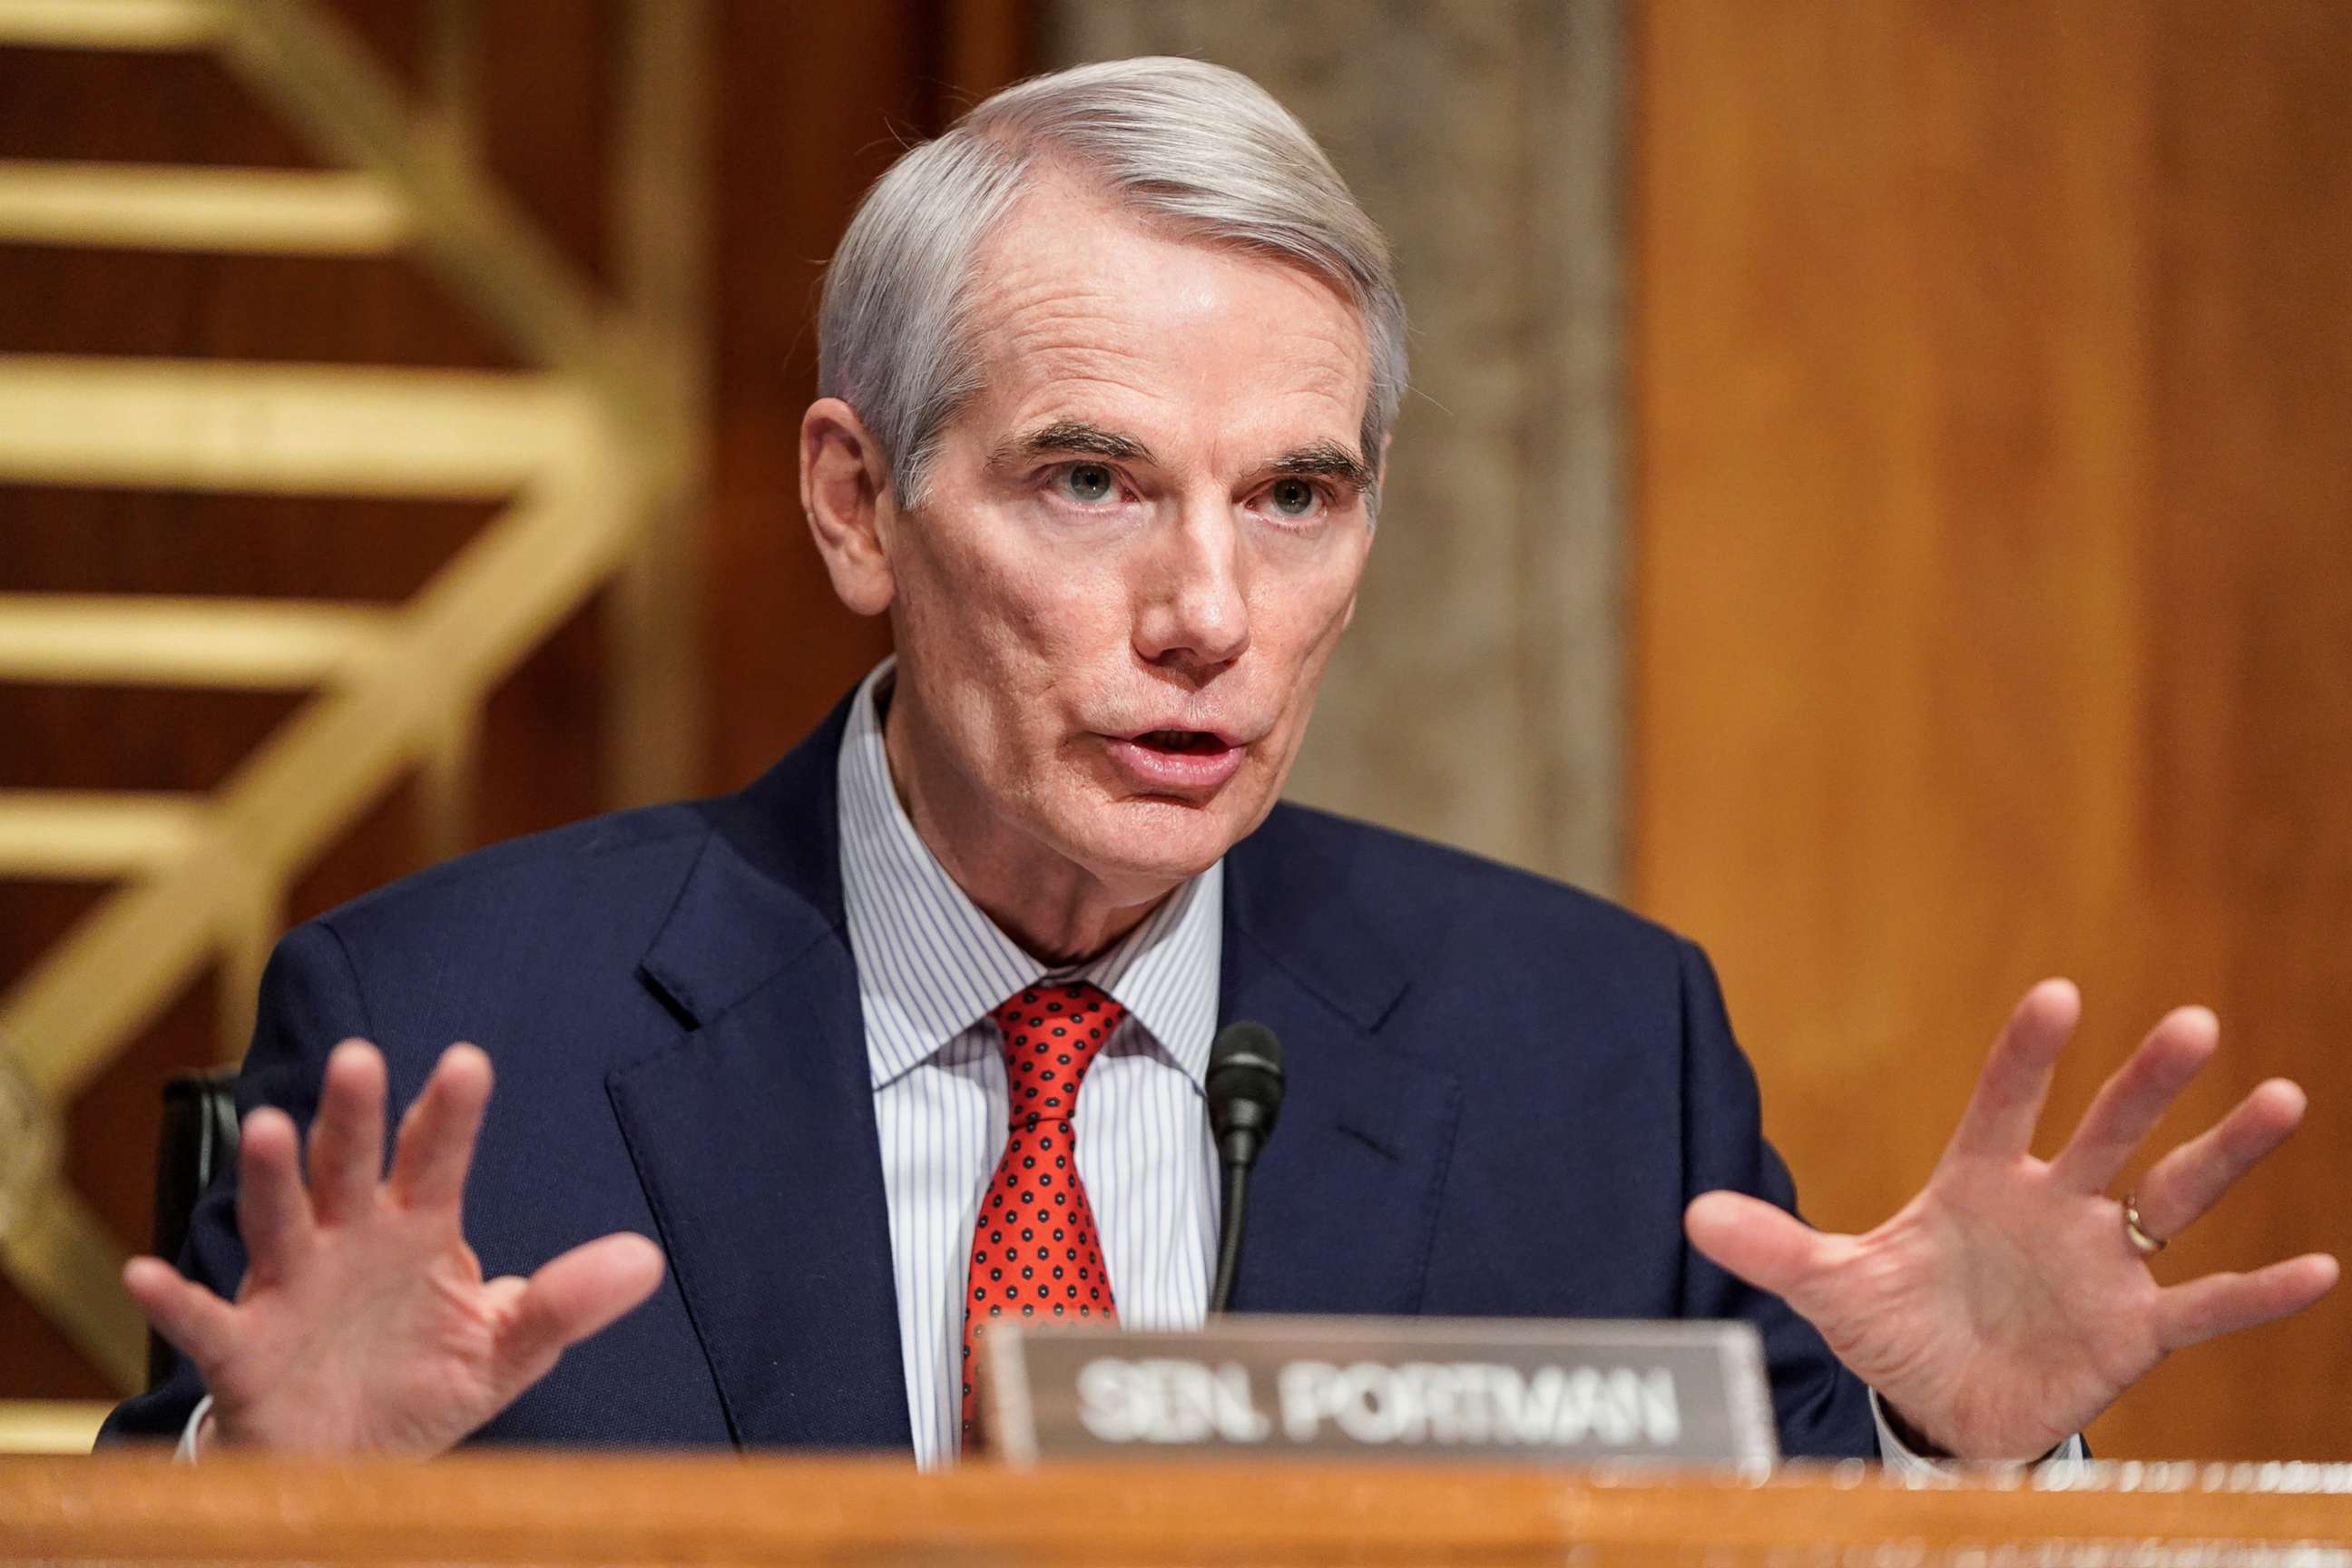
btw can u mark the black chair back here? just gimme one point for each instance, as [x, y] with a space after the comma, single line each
[199, 1138]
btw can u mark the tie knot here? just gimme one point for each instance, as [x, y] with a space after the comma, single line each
[1052, 1035]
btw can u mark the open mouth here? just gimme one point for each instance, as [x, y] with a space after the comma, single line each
[1182, 743]
[1187, 763]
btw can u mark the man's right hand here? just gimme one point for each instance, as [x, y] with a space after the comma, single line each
[363, 1324]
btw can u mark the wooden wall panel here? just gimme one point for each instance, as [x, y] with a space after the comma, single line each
[1994, 583]
[808, 104]
[188, 110]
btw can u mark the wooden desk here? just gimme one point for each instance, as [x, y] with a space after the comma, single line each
[547, 1508]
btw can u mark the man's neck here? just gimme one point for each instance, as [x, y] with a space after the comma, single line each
[1057, 912]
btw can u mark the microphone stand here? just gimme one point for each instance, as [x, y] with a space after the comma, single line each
[1245, 1088]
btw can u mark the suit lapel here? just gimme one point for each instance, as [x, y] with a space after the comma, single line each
[752, 1131]
[1343, 1205]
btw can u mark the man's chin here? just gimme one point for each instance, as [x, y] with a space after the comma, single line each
[1159, 840]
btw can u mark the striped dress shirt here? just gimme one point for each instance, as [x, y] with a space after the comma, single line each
[930, 967]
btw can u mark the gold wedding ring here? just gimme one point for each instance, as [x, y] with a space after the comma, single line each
[2148, 1245]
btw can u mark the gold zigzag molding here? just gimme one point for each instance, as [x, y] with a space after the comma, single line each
[596, 449]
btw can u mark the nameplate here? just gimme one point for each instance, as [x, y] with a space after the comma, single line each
[1544, 1392]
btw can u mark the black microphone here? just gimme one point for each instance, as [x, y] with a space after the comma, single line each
[1245, 1085]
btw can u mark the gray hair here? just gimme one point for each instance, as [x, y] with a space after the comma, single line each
[1201, 148]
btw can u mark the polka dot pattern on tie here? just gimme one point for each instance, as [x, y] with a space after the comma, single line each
[1036, 1253]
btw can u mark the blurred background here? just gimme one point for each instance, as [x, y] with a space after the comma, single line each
[1877, 496]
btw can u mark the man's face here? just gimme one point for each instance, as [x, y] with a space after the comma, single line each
[1140, 542]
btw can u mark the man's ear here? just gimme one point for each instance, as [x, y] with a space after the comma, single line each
[846, 492]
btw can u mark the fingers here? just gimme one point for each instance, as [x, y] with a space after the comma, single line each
[574, 1296]
[436, 1147]
[2223, 1303]
[273, 1212]
[199, 1322]
[346, 1160]
[2131, 1102]
[1768, 1248]
[2000, 1120]
[2179, 1188]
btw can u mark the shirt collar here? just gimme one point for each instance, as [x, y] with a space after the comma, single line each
[930, 964]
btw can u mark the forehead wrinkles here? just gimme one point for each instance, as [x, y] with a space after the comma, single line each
[1043, 329]
[1055, 331]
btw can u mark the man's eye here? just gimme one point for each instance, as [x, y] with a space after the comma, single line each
[1292, 498]
[1088, 482]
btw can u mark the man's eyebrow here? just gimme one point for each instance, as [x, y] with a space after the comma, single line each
[1327, 460]
[1071, 435]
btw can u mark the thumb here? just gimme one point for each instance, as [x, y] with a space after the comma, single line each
[1768, 1248]
[573, 1296]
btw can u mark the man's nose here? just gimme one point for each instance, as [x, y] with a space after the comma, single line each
[1194, 611]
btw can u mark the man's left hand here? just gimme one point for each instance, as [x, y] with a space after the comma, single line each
[2007, 1304]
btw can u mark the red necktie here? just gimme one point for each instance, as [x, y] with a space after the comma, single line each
[1036, 1253]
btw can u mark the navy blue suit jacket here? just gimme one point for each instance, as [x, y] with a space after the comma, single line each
[1502, 1092]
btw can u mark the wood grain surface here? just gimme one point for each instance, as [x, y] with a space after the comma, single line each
[545, 1507]
[1993, 605]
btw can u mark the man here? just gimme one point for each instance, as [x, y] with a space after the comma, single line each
[1108, 374]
